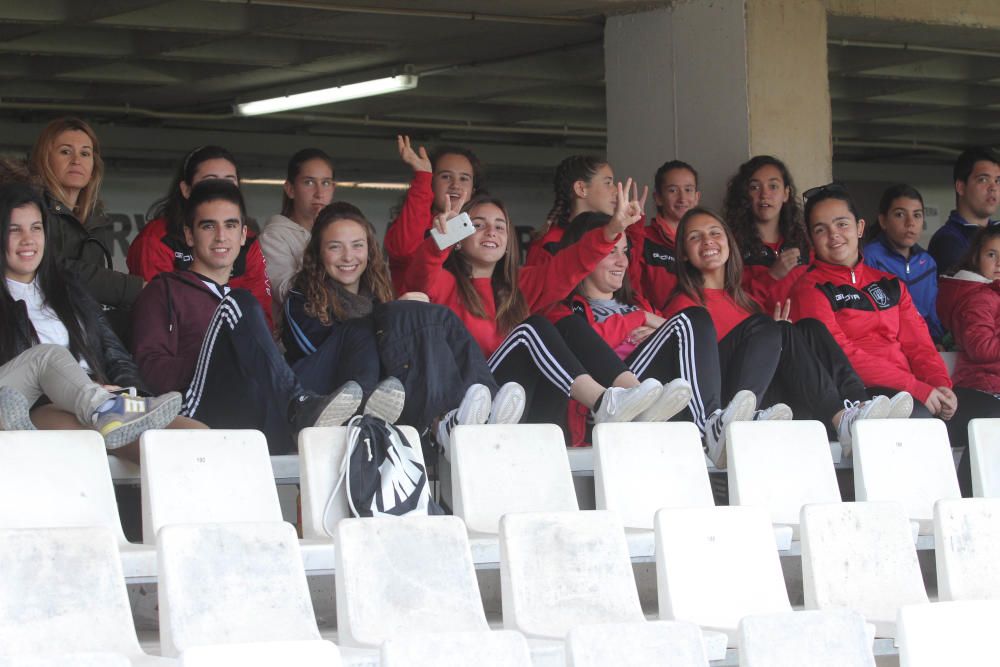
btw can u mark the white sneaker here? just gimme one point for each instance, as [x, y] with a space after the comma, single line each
[508, 404]
[474, 409]
[877, 408]
[673, 398]
[777, 412]
[900, 406]
[619, 404]
[740, 409]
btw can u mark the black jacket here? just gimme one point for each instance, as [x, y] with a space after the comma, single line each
[114, 365]
[84, 250]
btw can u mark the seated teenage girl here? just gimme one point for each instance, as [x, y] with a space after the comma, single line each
[873, 320]
[56, 343]
[798, 364]
[330, 323]
[481, 281]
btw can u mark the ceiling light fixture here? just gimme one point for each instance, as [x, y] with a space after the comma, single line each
[312, 98]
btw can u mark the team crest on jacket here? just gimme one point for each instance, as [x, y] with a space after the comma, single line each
[878, 295]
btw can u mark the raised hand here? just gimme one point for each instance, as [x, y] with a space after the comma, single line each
[627, 211]
[442, 218]
[782, 310]
[418, 161]
[786, 261]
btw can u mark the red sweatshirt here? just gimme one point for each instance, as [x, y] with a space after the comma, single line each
[408, 230]
[653, 269]
[542, 285]
[969, 307]
[543, 248]
[759, 284]
[726, 314]
[873, 319]
[150, 255]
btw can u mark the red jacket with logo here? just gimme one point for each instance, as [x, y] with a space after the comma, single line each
[873, 319]
[653, 266]
[969, 307]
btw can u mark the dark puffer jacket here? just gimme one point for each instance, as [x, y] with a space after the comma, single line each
[109, 360]
[84, 250]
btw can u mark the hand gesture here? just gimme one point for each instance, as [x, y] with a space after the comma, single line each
[627, 211]
[787, 260]
[442, 218]
[949, 403]
[653, 320]
[418, 161]
[938, 404]
[639, 334]
[782, 310]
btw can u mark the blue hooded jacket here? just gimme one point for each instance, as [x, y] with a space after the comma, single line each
[918, 272]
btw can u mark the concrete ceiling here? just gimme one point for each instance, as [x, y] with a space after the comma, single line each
[522, 80]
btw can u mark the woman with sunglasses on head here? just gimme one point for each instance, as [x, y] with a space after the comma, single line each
[56, 343]
[481, 281]
[343, 294]
[895, 250]
[763, 211]
[798, 364]
[874, 321]
[66, 159]
[160, 246]
[443, 180]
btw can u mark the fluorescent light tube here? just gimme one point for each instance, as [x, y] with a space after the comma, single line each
[314, 98]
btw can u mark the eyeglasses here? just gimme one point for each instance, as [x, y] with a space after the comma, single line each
[835, 188]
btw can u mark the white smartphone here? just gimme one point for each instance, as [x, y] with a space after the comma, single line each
[459, 227]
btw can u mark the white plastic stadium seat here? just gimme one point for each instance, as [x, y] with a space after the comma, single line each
[780, 466]
[829, 638]
[636, 645]
[860, 555]
[967, 548]
[501, 648]
[62, 591]
[308, 653]
[64, 659]
[984, 455]
[57, 479]
[715, 565]
[231, 583]
[948, 633]
[908, 461]
[214, 476]
[321, 453]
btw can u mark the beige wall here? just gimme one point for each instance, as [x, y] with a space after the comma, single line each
[788, 87]
[971, 13]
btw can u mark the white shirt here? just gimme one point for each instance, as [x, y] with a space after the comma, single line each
[48, 326]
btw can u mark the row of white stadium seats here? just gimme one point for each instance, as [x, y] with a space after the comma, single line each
[404, 585]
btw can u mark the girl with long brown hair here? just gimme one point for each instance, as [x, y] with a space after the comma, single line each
[777, 361]
[480, 280]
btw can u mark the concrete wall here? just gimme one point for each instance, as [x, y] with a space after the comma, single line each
[973, 13]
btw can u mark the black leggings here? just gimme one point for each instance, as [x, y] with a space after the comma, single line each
[972, 404]
[535, 355]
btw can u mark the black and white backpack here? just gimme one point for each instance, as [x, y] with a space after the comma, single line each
[384, 472]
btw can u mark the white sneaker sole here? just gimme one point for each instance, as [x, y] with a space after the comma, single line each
[673, 398]
[15, 413]
[475, 406]
[341, 407]
[900, 406]
[386, 401]
[158, 417]
[508, 405]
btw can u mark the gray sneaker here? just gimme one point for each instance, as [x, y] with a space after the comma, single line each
[14, 411]
[386, 400]
[740, 409]
[130, 416]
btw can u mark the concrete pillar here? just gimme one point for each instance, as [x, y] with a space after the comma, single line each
[713, 82]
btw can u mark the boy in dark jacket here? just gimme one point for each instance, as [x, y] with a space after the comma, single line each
[195, 334]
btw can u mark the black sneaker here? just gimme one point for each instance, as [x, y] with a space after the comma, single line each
[331, 410]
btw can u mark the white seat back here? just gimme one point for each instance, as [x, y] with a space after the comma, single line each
[210, 476]
[860, 555]
[562, 569]
[485, 648]
[636, 645]
[780, 466]
[640, 467]
[231, 583]
[908, 461]
[53, 479]
[967, 548]
[321, 454]
[829, 638]
[984, 455]
[501, 468]
[62, 591]
[401, 575]
[948, 633]
[66, 659]
[307, 653]
[715, 565]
